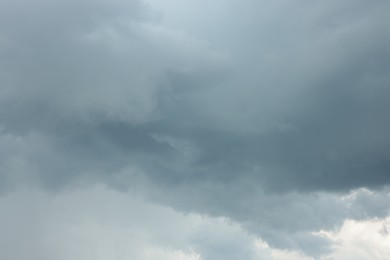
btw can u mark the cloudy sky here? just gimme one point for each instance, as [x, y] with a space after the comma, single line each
[194, 129]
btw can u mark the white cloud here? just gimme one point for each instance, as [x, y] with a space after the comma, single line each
[162, 254]
[364, 240]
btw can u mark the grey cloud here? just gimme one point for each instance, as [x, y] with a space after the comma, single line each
[284, 220]
[305, 126]
[97, 223]
[89, 92]
[249, 118]
[309, 108]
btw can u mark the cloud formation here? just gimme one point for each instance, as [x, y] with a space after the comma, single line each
[270, 114]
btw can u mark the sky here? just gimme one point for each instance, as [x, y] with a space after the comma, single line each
[194, 130]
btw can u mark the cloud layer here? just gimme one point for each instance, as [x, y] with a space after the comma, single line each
[98, 223]
[272, 115]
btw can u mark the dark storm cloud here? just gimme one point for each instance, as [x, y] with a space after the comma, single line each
[86, 89]
[241, 117]
[307, 105]
[309, 114]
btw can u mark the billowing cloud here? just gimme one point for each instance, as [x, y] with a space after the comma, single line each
[271, 115]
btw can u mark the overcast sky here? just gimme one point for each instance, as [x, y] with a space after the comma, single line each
[194, 129]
